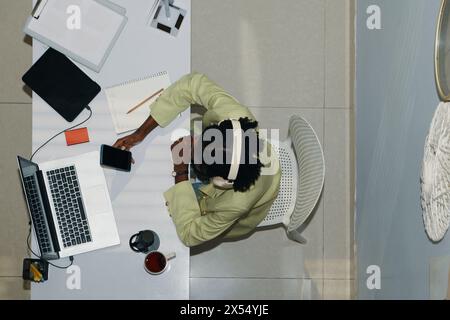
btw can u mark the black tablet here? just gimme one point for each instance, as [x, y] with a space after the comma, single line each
[60, 83]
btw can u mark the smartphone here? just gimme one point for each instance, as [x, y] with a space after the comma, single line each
[115, 158]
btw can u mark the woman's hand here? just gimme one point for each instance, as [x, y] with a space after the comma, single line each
[128, 142]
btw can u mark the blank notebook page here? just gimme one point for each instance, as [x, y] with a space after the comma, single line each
[123, 97]
[99, 25]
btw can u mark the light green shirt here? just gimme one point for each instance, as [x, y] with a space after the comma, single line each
[218, 212]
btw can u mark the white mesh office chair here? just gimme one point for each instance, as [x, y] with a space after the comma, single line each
[302, 177]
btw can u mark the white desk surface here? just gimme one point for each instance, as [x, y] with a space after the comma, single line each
[117, 272]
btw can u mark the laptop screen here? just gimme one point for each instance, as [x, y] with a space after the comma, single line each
[27, 168]
[39, 211]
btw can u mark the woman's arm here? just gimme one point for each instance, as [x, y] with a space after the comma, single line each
[126, 143]
[192, 227]
[190, 89]
[196, 88]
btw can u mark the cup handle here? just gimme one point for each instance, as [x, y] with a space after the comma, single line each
[170, 256]
[132, 243]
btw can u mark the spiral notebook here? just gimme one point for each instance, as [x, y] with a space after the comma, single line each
[123, 97]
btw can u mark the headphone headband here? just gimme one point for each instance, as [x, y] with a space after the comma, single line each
[237, 150]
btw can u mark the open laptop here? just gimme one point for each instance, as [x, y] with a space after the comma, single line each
[69, 204]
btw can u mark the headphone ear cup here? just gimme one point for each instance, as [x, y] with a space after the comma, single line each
[222, 183]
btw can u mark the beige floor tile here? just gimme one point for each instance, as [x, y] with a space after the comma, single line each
[338, 289]
[336, 52]
[317, 289]
[278, 118]
[265, 254]
[15, 51]
[253, 289]
[337, 215]
[15, 128]
[264, 53]
[14, 288]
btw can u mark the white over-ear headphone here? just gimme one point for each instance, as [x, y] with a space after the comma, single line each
[235, 158]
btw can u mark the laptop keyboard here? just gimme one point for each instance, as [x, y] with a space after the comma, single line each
[68, 204]
[37, 211]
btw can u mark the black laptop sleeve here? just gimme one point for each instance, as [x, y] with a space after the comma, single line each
[60, 83]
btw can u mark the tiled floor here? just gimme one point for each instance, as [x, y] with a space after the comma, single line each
[254, 288]
[282, 61]
[277, 60]
[15, 130]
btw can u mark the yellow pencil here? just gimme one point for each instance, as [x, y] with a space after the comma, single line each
[37, 275]
[141, 103]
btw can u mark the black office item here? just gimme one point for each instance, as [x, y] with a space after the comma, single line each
[115, 158]
[35, 270]
[39, 208]
[60, 83]
[168, 17]
[66, 194]
[144, 241]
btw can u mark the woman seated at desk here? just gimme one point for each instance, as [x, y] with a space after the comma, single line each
[235, 196]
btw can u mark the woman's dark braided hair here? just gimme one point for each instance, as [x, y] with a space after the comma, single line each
[250, 165]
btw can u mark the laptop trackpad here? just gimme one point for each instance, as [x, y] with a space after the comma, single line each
[96, 200]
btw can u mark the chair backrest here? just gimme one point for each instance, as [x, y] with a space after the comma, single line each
[302, 176]
[285, 202]
[311, 171]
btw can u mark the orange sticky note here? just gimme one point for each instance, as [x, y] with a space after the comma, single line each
[77, 136]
